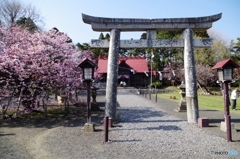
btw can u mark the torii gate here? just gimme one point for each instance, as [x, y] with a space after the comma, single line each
[151, 26]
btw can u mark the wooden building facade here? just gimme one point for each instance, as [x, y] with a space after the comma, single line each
[133, 71]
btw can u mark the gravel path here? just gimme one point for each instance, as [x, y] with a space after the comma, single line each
[147, 132]
[144, 132]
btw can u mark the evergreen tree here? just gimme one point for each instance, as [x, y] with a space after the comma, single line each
[101, 36]
[27, 23]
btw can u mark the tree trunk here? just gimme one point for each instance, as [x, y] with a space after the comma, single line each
[6, 106]
[207, 91]
[4, 111]
[19, 103]
[56, 95]
[66, 103]
[76, 95]
[68, 97]
[45, 105]
[45, 108]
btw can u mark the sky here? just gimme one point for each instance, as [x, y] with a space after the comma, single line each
[66, 15]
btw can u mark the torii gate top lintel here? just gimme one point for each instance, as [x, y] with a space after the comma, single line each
[136, 24]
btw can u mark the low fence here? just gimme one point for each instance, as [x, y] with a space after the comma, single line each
[102, 91]
[150, 91]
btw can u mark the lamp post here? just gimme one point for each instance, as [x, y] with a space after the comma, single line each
[225, 75]
[88, 74]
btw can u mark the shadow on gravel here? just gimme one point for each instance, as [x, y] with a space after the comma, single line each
[11, 134]
[220, 120]
[207, 110]
[165, 128]
[161, 127]
[158, 121]
[212, 126]
[136, 115]
[76, 118]
[125, 140]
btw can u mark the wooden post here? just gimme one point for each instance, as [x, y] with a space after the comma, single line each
[105, 129]
[156, 98]
[226, 111]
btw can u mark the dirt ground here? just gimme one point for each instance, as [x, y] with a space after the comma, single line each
[21, 137]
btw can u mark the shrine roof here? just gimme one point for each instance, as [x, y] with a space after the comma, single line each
[225, 63]
[138, 64]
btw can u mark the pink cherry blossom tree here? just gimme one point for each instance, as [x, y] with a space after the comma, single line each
[33, 65]
[205, 76]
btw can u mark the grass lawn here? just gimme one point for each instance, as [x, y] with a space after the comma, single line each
[214, 102]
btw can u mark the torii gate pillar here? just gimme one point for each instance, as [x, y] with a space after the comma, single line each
[112, 75]
[190, 77]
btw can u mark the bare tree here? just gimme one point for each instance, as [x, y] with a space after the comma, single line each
[10, 11]
[13, 10]
[217, 36]
[32, 13]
